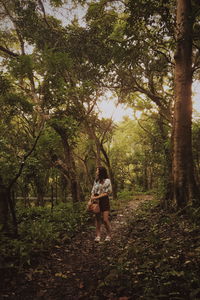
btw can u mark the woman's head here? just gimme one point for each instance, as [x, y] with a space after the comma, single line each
[101, 173]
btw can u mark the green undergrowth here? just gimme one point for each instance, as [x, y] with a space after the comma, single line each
[123, 197]
[158, 258]
[39, 228]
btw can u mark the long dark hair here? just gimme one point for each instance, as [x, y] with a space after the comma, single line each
[102, 174]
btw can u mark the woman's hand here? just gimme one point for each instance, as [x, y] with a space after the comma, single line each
[99, 196]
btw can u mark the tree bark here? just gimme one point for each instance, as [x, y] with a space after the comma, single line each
[184, 185]
[111, 175]
[68, 166]
[3, 208]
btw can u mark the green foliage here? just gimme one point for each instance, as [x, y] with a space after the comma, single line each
[49, 141]
[34, 166]
[57, 3]
[95, 10]
[8, 167]
[196, 145]
[14, 138]
[119, 29]
[39, 229]
[157, 258]
[22, 67]
[66, 125]
[125, 195]
[56, 61]
[125, 45]
[5, 84]
[18, 103]
[35, 175]
[144, 165]
[12, 101]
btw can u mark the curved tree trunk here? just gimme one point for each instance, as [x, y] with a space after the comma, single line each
[184, 185]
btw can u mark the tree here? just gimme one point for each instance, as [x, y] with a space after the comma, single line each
[138, 63]
[141, 45]
[185, 189]
[196, 148]
[17, 143]
[101, 131]
[66, 127]
[53, 72]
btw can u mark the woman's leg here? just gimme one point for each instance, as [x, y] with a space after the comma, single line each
[98, 224]
[107, 222]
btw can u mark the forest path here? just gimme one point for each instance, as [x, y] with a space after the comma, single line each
[76, 270]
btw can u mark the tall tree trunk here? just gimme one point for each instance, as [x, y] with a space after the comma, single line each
[69, 163]
[92, 134]
[111, 175]
[184, 186]
[3, 208]
[167, 165]
[40, 185]
[74, 183]
[63, 187]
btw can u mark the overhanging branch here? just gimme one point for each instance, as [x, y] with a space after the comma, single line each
[24, 159]
[9, 52]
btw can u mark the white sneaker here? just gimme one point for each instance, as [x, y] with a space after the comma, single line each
[108, 238]
[97, 239]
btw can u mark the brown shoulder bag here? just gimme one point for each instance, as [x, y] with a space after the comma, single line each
[93, 206]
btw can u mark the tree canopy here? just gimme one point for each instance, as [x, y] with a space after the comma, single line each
[54, 71]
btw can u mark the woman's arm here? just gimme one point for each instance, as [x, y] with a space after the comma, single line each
[106, 191]
[99, 196]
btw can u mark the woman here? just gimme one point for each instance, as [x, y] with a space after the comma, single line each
[101, 190]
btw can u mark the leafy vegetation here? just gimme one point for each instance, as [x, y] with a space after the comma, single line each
[154, 254]
[55, 69]
[157, 258]
[39, 229]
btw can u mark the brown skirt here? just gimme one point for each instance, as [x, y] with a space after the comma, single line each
[104, 204]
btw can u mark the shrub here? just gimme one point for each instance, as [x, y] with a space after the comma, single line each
[40, 228]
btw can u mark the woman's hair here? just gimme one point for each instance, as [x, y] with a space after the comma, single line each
[102, 173]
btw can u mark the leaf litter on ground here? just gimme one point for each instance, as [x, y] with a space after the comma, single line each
[153, 254]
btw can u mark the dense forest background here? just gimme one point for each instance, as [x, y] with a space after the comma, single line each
[58, 60]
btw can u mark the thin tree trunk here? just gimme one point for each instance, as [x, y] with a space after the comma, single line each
[63, 188]
[3, 208]
[40, 199]
[13, 213]
[52, 198]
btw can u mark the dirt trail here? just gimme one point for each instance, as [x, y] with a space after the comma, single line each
[75, 270]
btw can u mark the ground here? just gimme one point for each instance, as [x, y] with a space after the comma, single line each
[72, 270]
[153, 255]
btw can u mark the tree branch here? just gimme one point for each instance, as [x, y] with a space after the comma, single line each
[9, 52]
[43, 11]
[24, 159]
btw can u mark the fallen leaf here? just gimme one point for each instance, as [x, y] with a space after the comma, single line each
[61, 275]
